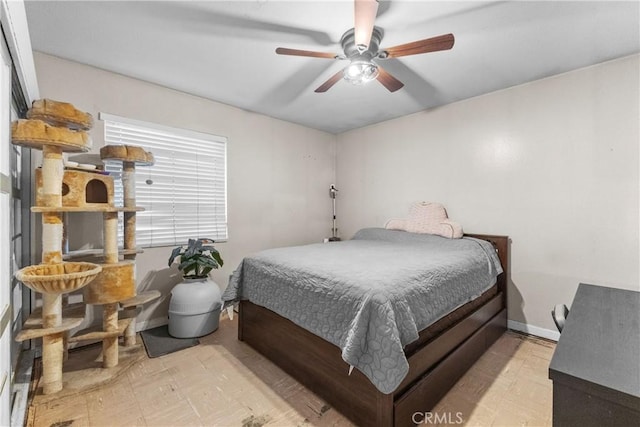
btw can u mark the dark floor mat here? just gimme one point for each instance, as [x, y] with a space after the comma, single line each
[158, 342]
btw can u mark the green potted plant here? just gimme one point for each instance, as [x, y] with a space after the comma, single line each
[194, 308]
[197, 258]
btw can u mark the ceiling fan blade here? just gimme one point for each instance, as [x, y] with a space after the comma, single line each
[433, 44]
[214, 18]
[297, 52]
[365, 16]
[388, 81]
[329, 83]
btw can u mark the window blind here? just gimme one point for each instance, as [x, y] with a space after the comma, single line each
[184, 193]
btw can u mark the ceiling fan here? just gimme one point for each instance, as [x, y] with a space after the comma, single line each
[361, 45]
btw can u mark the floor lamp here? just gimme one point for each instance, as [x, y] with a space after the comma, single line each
[334, 230]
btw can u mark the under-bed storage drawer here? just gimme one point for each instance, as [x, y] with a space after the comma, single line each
[424, 394]
[424, 358]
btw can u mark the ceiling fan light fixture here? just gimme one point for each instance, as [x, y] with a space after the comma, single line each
[361, 45]
[360, 72]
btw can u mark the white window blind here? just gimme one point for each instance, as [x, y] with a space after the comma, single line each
[184, 193]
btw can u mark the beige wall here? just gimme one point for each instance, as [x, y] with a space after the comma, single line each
[553, 164]
[278, 173]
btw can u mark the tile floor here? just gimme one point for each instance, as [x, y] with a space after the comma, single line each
[223, 382]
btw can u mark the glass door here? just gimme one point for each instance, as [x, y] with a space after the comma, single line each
[6, 245]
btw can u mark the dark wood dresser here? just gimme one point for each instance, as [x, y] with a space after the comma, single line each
[596, 365]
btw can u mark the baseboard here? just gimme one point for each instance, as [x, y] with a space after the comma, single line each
[151, 323]
[533, 330]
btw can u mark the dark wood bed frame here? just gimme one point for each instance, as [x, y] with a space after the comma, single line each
[434, 367]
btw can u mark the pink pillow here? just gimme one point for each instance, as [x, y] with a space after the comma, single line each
[428, 218]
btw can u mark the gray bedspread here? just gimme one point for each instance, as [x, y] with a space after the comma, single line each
[371, 295]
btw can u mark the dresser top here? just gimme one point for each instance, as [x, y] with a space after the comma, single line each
[600, 342]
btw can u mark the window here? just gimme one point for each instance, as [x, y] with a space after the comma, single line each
[184, 193]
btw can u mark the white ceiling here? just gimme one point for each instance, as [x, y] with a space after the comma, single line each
[224, 50]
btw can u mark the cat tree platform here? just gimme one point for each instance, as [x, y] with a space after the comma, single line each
[58, 113]
[96, 255]
[39, 135]
[47, 209]
[97, 333]
[72, 317]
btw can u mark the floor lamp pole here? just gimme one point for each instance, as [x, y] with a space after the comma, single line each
[334, 231]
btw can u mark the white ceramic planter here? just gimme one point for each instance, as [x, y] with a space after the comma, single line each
[194, 310]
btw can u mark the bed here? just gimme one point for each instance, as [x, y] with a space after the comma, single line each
[380, 326]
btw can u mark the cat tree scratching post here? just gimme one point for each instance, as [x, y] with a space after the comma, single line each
[53, 277]
[130, 156]
[129, 190]
[110, 310]
[52, 345]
